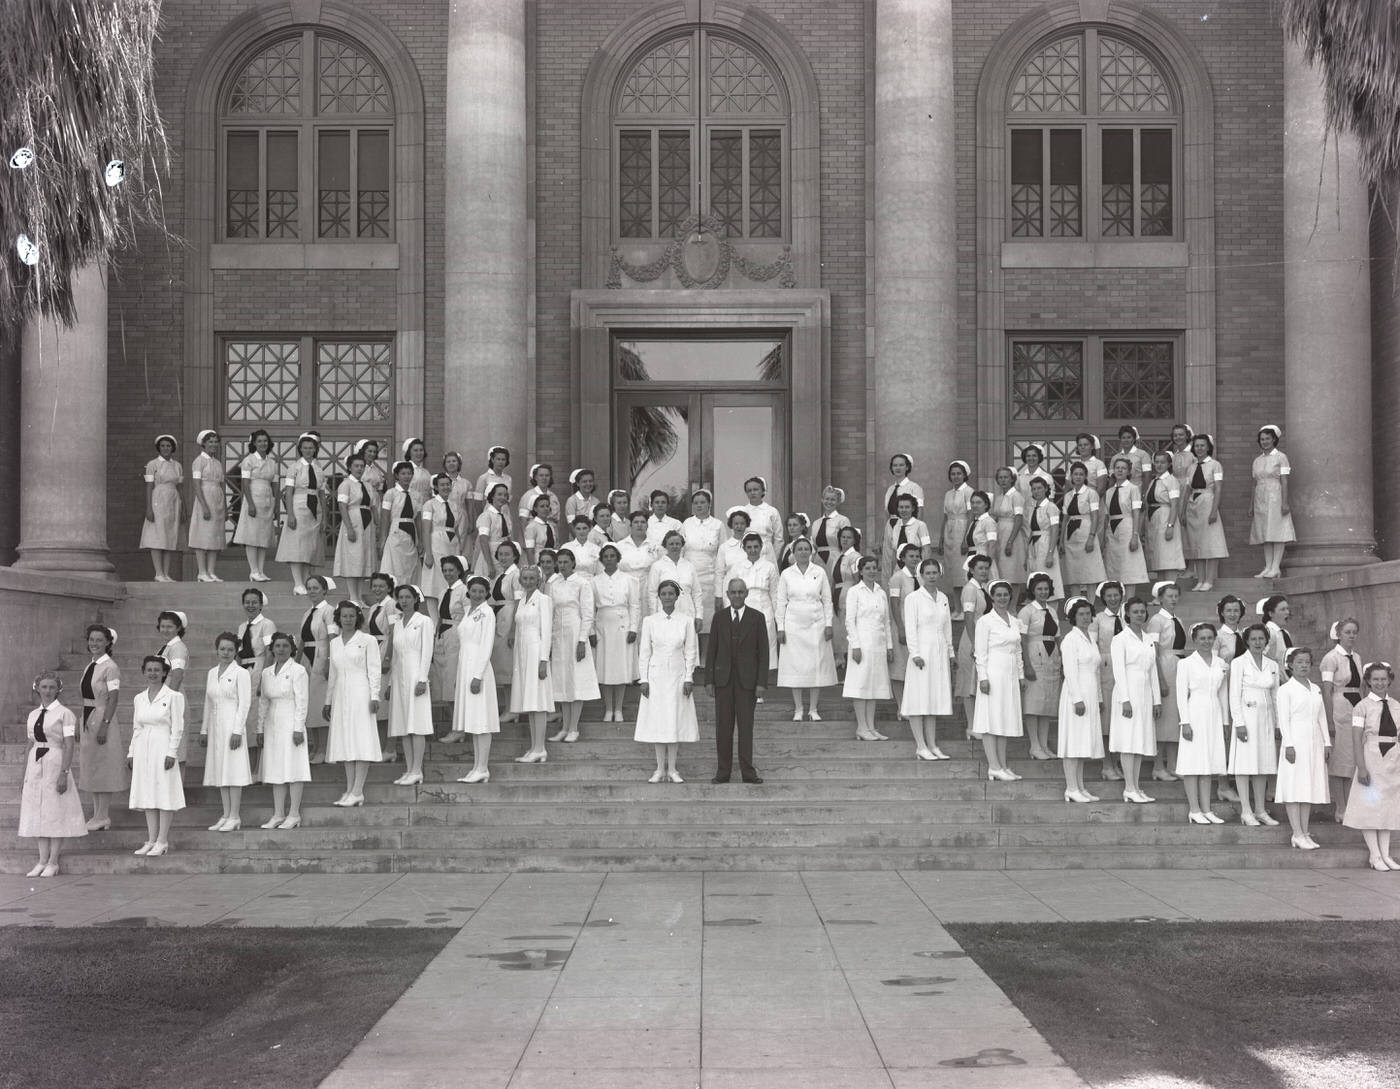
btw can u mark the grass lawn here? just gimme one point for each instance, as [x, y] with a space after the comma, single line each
[1282, 1005]
[195, 1008]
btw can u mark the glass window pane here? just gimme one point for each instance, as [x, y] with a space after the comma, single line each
[333, 184]
[1156, 190]
[1117, 221]
[634, 184]
[241, 181]
[765, 183]
[372, 168]
[658, 453]
[743, 447]
[262, 381]
[1066, 190]
[701, 360]
[673, 181]
[1139, 380]
[1027, 175]
[1047, 380]
[352, 382]
[727, 180]
[282, 185]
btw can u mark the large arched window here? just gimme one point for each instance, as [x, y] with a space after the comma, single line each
[1094, 136]
[307, 138]
[700, 126]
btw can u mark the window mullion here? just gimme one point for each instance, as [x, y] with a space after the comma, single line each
[354, 212]
[656, 182]
[1045, 151]
[306, 388]
[1093, 378]
[264, 207]
[1137, 182]
[744, 194]
[1093, 183]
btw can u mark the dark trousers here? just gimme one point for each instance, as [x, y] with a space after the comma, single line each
[734, 706]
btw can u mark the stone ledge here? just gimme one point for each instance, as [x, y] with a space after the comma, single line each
[19, 581]
[1094, 255]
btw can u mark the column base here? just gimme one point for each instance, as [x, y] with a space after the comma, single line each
[1322, 559]
[64, 559]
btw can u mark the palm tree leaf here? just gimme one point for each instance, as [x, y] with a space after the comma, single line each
[1356, 46]
[77, 87]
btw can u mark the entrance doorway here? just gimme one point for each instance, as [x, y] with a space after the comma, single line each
[700, 411]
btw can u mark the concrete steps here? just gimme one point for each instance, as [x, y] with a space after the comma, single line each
[828, 802]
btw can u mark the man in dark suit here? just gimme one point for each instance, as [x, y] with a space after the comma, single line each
[737, 663]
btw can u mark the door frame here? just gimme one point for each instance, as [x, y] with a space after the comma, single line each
[805, 314]
[700, 404]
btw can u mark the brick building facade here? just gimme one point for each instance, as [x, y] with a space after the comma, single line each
[177, 312]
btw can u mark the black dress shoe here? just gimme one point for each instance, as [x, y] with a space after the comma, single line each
[755, 779]
[720, 779]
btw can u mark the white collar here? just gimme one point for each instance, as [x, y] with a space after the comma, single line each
[253, 620]
[1163, 611]
[1373, 696]
[104, 658]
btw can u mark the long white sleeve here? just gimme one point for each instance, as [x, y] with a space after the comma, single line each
[1187, 671]
[981, 652]
[177, 723]
[211, 685]
[243, 683]
[546, 624]
[425, 651]
[587, 607]
[301, 696]
[780, 600]
[373, 664]
[644, 651]
[1120, 665]
[692, 651]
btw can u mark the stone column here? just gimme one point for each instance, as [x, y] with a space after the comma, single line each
[487, 246]
[916, 258]
[1326, 332]
[63, 437]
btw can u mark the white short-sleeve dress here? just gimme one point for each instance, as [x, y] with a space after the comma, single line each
[164, 532]
[1270, 525]
[208, 476]
[43, 811]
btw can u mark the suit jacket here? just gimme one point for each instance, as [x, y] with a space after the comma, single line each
[738, 656]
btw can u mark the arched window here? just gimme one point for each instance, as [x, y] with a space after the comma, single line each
[1094, 141]
[700, 126]
[307, 137]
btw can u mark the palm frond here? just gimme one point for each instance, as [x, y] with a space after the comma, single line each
[76, 87]
[1356, 46]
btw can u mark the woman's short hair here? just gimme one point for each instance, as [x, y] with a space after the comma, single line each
[359, 613]
[162, 662]
[225, 637]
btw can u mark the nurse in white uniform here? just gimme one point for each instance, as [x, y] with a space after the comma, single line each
[410, 650]
[282, 710]
[1001, 674]
[352, 702]
[228, 697]
[158, 724]
[667, 660]
[1137, 697]
[1202, 698]
[804, 618]
[531, 689]
[1302, 768]
[1254, 681]
[617, 619]
[474, 710]
[870, 648]
[928, 681]
[1080, 735]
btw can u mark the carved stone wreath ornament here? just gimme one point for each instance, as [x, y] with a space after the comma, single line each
[700, 256]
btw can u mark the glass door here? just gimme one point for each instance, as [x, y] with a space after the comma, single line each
[681, 441]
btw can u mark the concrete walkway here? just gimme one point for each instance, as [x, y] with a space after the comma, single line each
[776, 980]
